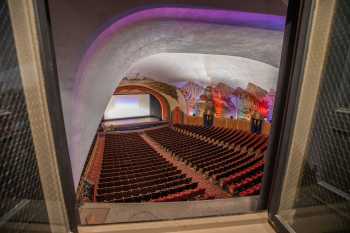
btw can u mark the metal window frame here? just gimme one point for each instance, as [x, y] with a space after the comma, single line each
[284, 114]
[287, 97]
[41, 86]
[300, 37]
[49, 66]
[295, 44]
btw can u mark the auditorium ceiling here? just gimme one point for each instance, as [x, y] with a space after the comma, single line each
[205, 69]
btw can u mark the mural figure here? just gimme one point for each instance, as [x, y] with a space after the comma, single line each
[192, 92]
[256, 123]
[208, 107]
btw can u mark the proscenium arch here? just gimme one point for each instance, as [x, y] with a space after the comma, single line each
[164, 104]
[153, 31]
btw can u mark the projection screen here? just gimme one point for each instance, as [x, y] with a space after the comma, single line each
[126, 106]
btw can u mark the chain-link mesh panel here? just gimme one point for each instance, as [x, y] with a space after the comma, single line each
[21, 196]
[326, 173]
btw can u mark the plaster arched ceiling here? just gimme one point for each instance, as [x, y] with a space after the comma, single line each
[206, 69]
[149, 32]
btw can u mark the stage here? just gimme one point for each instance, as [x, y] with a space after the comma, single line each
[135, 123]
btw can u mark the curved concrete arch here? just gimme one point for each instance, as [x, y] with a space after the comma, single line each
[162, 100]
[152, 31]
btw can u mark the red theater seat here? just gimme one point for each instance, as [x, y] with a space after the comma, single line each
[132, 171]
[193, 145]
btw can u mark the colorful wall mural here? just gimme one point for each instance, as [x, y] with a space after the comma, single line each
[223, 100]
[230, 102]
[191, 92]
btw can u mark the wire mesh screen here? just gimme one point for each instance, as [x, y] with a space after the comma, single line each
[324, 190]
[21, 196]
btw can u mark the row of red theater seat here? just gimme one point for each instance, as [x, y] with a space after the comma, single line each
[251, 191]
[252, 143]
[121, 176]
[242, 185]
[186, 195]
[229, 163]
[122, 191]
[151, 196]
[132, 171]
[131, 158]
[230, 137]
[186, 148]
[191, 151]
[210, 165]
[127, 170]
[240, 175]
[213, 160]
[147, 183]
[120, 181]
[234, 168]
[140, 176]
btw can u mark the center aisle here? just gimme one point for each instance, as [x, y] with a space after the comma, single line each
[212, 191]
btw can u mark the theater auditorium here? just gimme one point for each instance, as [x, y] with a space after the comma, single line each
[192, 116]
[183, 138]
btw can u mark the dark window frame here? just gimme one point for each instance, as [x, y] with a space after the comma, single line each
[284, 112]
[49, 68]
[295, 45]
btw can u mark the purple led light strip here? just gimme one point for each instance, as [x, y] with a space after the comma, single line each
[238, 18]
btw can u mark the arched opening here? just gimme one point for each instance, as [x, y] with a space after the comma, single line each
[137, 89]
[173, 30]
[206, 85]
[188, 87]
